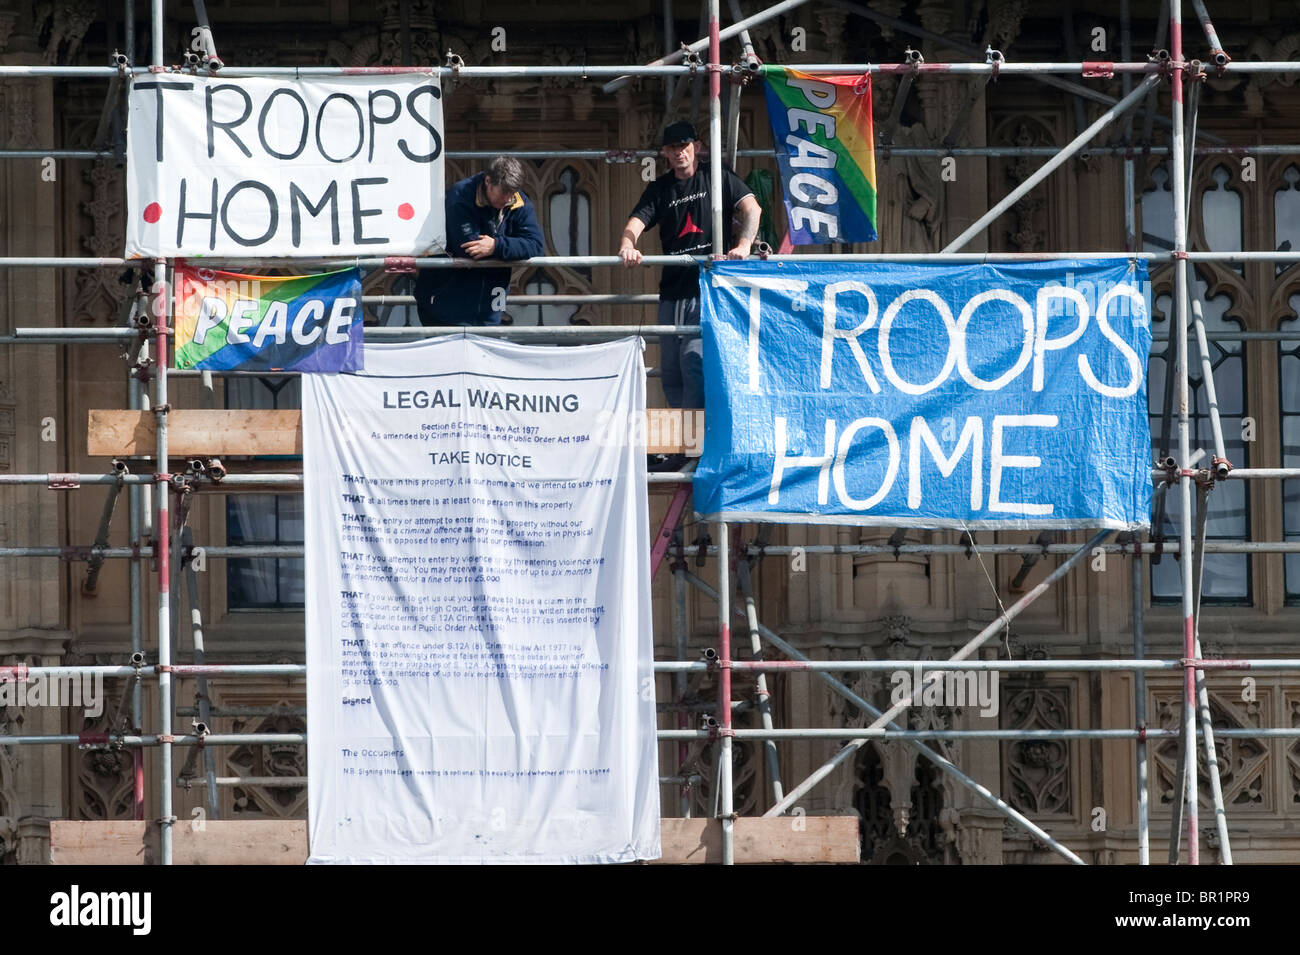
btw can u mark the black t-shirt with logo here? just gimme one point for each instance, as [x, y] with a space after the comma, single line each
[683, 213]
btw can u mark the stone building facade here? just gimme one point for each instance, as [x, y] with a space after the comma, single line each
[841, 607]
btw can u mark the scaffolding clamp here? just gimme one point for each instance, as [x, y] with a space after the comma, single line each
[400, 264]
[969, 543]
[61, 481]
[691, 59]
[454, 62]
[119, 60]
[1222, 467]
[620, 155]
[995, 59]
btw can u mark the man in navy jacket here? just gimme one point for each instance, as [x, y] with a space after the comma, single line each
[487, 218]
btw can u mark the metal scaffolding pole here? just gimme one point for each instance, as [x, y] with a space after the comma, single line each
[680, 679]
[1140, 715]
[970, 647]
[710, 41]
[744, 575]
[162, 524]
[205, 701]
[1179, 172]
[1045, 170]
[942, 763]
[1202, 694]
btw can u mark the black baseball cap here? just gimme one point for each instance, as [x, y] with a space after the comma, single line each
[679, 133]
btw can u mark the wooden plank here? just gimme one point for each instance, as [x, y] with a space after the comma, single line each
[205, 433]
[114, 433]
[219, 842]
[100, 843]
[798, 839]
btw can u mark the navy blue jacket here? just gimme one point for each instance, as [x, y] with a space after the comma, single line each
[465, 296]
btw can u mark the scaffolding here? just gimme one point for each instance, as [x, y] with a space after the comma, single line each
[158, 502]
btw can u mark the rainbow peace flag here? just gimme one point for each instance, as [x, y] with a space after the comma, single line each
[825, 145]
[307, 323]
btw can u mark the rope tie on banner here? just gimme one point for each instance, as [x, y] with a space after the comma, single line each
[863, 83]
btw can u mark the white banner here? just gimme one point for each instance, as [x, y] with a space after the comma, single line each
[479, 651]
[277, 167]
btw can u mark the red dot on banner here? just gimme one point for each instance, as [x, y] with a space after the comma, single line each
[152, 212]
[405, 211]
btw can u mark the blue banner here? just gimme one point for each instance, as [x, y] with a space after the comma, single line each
[962, 396]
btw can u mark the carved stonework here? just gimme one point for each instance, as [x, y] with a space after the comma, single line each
[1029, 231]
[8, 433]
[105, 775]
[1293, 754]
[898, 794]
[914, 196]
[99, 294]
[1036, 772]
[936, 15]
[21, 114]
[747, 777]
[1004, 22]
[1245, 767]
[832, 29]
[917, 829]
[1251, 87]
[10, 808]
[7, 21]
[890, 8]
[269, 759]
[62, 24]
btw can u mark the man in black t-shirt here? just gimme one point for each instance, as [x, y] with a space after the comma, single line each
[679, 203]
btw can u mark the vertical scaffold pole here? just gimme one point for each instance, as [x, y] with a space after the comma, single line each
[134, 502]
[680, 680]
[715, 129]
[1140, 714]
[725, 805]
[156, 22]
[745, 577]
[726, 808]
[162, 554]
[1178, 164]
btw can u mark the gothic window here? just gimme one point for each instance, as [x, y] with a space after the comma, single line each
[264, 583]
[1221, 214]
[569, 212]
[1286, 214]
[1158, 213]
[540, 283]
[1227, 577]
[1289, 398]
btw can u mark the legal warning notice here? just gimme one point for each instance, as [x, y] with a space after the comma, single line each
[478, 606]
